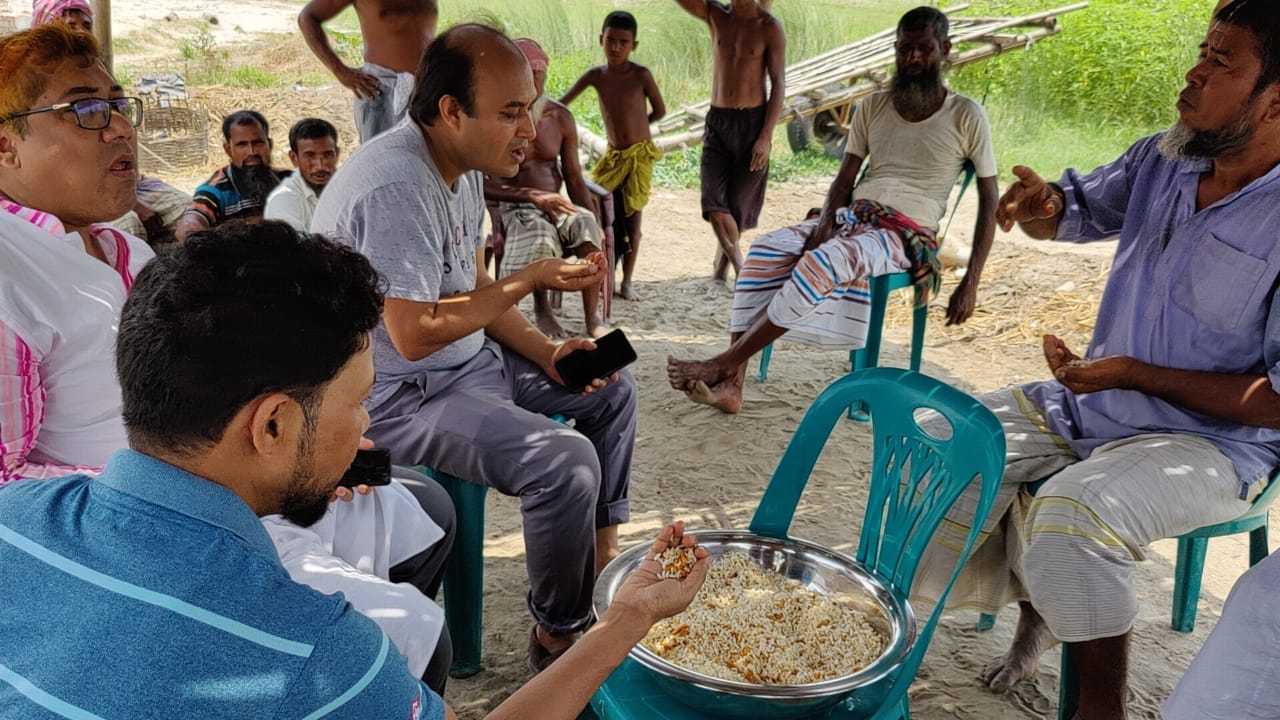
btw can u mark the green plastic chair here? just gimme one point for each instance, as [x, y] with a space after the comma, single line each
[1187, 573]
[915, 480]
[464, 573]
[879, 287]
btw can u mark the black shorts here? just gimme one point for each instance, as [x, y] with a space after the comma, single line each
[728, 185]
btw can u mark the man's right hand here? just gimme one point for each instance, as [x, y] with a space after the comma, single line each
[364, 85]
[821, 233]
[553, 204]
[560, 274]
[656, 598]
[1028, 200]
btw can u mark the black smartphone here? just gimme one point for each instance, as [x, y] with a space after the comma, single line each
[613, 352]
[371, 467]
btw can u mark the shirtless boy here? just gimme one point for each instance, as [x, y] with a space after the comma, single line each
[538, 221]
[749, 45]
[395, 33]
[629, 102]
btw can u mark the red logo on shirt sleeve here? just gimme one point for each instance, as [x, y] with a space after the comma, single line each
[415, 710]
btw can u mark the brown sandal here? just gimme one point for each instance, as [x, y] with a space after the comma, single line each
[541, 658]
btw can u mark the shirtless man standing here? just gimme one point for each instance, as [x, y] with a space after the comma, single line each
[395, 33]
[538, 221]
[749, 45]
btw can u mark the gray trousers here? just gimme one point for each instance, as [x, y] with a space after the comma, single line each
[487, 422]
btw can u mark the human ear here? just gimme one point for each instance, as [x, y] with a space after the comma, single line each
[451, 111]
[274, 423]
[9, 149]
[226, 149]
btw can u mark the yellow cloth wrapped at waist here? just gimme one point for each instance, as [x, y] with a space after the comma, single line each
[632, 170]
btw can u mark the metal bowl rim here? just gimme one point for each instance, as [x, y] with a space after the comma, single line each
[877, 670]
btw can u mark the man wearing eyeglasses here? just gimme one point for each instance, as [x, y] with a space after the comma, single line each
[238, 190]
[67, 154]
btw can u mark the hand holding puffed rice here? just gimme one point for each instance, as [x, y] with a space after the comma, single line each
[1082, 375]
[660, 597]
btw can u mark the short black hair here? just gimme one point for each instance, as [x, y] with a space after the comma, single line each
[619, 20]
[926, 18]
[311, 129]
[242, 118]
[1262, 19]
[230, 314]
[447, 68]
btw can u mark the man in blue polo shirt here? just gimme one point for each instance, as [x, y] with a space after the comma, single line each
[153, 591]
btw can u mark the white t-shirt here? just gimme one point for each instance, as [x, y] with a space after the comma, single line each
[293, 201]
[913, 165]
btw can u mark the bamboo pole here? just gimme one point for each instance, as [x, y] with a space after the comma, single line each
[102, 29]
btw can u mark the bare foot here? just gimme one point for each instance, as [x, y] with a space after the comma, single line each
[717, 288]
[550, 326]
[1030, 641]
[682, 374]
[596, 328]
[625, 292]
[725, 396]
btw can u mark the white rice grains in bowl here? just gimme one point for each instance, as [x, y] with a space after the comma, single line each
[747, 624]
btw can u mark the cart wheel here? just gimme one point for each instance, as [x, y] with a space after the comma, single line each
[799, 135]
[827, 131]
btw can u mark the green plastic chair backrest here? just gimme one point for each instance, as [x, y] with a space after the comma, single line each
[915, 477]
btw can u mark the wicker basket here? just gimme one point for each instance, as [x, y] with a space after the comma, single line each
[172, 138]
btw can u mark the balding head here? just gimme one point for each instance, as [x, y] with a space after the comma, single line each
[453, 65]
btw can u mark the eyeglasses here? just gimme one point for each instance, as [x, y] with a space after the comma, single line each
[92, 113]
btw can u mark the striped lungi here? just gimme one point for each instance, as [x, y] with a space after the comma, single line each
[822, 296]
[532, 236]
[1072, 549]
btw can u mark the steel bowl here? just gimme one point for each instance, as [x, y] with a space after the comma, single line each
[820, 569]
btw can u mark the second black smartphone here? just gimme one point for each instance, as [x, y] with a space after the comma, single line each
[371, 467]
[613, 352]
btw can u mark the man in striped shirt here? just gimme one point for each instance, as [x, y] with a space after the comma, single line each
[157, 575]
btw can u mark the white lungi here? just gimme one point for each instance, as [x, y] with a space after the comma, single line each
[1071, 549]
[352, 549]
[1234, 677]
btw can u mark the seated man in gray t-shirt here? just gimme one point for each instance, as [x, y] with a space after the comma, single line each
[464, 382]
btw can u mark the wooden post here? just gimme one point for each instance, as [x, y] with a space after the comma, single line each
[102, 29]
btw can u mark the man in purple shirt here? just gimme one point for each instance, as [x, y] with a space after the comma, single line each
[1171, 419]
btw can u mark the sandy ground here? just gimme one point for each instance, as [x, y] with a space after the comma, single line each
[708, 469]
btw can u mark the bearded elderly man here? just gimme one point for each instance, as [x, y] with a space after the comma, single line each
[1171, 419]
[239, 189]
[808, 282]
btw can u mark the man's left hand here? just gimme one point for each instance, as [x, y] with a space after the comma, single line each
[962, 303]
[567, 347]
[1085, 376]
[760, 153]
[346, 494]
